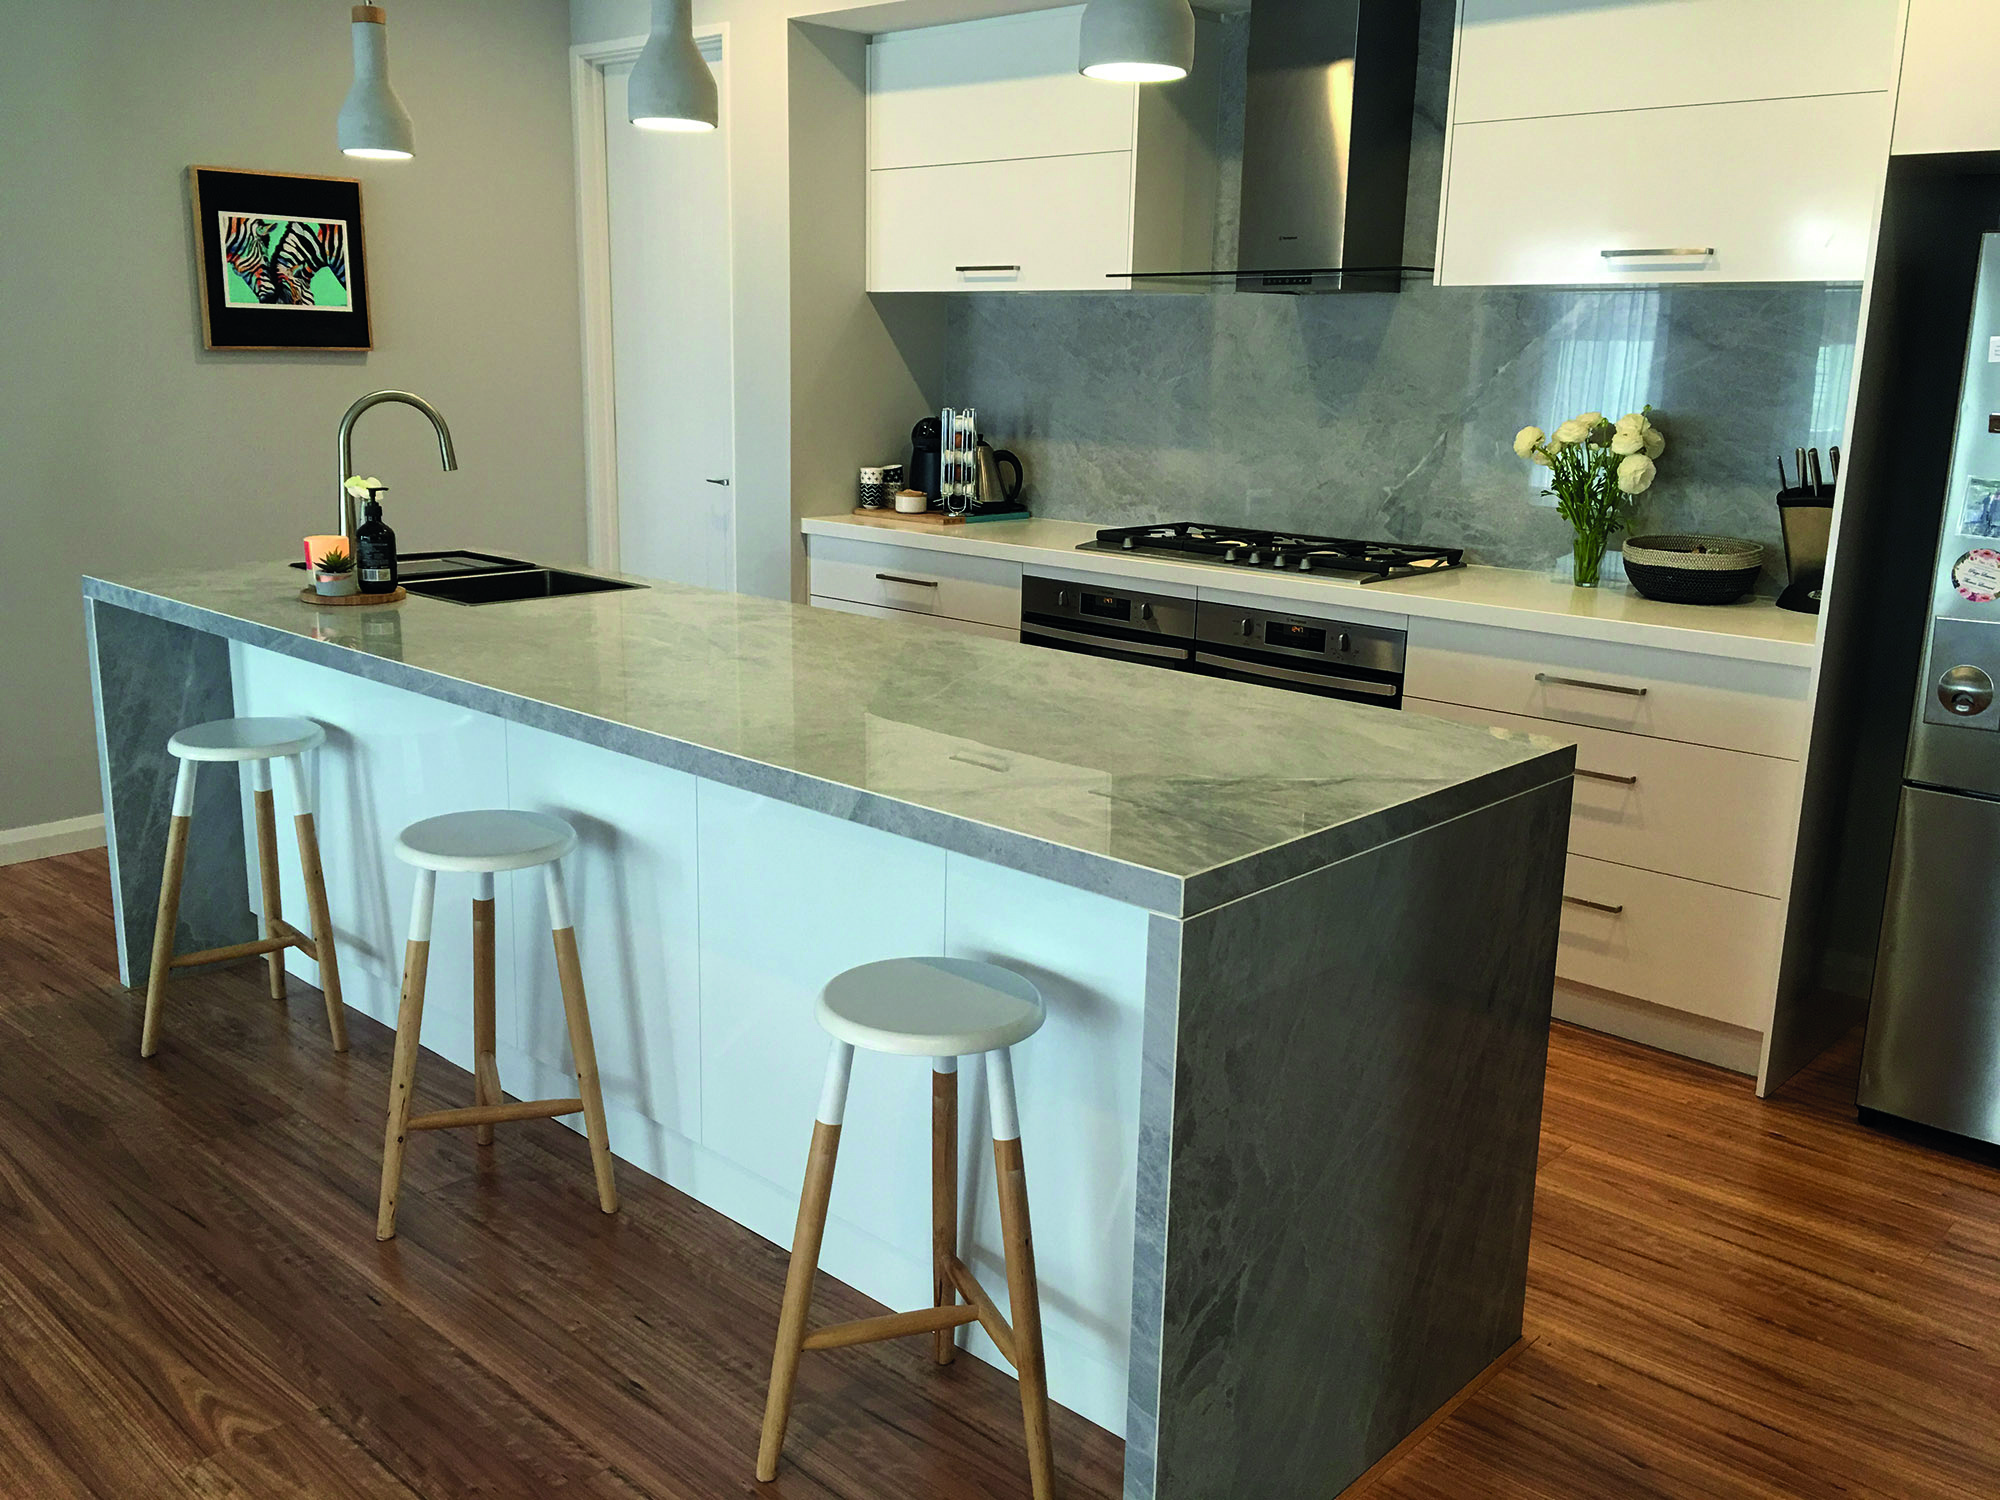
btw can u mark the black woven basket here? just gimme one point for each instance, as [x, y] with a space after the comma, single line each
[1693, 569]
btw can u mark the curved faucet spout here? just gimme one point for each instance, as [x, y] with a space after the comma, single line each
[447, 457]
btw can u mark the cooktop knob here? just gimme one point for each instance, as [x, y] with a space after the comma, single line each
[1305, 565]
[1256, 558]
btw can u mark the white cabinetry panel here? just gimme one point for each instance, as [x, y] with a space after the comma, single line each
[1041, 224]
[979, 589]
[916, 617]
[1951, 57]
[1521, 57]
[990, 90]
[1779, 189]
[632, 887]
[1691, 947]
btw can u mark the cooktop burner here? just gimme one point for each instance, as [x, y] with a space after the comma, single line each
[1288, 551]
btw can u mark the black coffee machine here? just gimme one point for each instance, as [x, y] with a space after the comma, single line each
[925, 472]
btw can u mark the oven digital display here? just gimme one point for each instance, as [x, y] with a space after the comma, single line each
[1294, 637]
[1105, 606]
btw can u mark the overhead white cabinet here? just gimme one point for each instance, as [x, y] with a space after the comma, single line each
[993, 165]
[1951, 56]
[1721, 140]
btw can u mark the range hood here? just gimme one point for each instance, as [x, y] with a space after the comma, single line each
[1326, 145]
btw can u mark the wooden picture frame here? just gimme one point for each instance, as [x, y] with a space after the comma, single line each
[281, 261]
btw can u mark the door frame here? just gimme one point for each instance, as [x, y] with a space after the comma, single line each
[587, 62]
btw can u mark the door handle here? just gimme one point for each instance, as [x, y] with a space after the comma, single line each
[1598, 687]
[718, 481]
[1606, 776]
[1668, 252]
[962, 270]
[1605, 907]
[915, 583]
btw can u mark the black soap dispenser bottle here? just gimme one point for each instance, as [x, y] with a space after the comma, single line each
[375, 549]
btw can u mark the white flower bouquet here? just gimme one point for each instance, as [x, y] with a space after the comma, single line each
[1597, 469]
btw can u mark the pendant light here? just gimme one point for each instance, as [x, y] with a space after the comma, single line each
[671, 87]
[373, 122]
[1136, 41]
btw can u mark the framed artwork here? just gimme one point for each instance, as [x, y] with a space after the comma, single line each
[282, 260]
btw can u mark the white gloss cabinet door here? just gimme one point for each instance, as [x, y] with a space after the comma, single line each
[1951, 57]
[991, 90]
[916, 617]
[1058, 223]
[1520, 58]
[390, 759]
[1776, 189]
[632, 888]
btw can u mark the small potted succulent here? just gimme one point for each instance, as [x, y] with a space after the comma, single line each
[1597, 471]
[333, 572]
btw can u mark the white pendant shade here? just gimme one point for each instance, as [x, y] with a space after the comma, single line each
[671, 87]
[373, 122]
[1136, 41]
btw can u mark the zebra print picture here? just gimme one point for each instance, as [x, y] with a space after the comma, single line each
[281, 261]
[272, 260]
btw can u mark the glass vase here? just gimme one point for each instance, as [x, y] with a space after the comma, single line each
[1587, 557]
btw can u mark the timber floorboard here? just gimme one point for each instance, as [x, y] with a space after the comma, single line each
[1727, 1297]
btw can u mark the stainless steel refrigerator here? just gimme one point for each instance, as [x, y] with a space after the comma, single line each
[1933, 1050]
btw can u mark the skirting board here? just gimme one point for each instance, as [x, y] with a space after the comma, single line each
[1732, 1047]
[40, 840]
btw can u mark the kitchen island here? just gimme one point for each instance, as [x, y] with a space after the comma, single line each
[1281, 1126]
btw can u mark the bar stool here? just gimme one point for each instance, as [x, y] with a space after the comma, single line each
[484, 844]
[259, 742]
[944, 1009]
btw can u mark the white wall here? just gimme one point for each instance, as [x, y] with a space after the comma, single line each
[123, 445]
[827, 378]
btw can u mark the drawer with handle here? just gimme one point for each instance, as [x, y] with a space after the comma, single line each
[1759, 707]
[983, 590]
[1692, 947]
[1719, 816]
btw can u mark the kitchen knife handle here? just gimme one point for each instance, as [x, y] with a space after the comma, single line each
[1601, 687]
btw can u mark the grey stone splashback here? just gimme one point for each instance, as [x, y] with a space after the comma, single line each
[1393, 416]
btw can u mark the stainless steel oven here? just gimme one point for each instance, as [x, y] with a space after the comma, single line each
[1303, 653]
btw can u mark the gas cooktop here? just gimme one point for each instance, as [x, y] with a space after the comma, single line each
[1278, 551]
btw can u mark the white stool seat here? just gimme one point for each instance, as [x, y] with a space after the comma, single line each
[931, 1007]
[487, 840]
[246, 739]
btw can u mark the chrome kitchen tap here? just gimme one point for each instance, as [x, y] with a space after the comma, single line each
[447, 459]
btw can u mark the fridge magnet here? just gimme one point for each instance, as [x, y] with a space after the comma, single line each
[1977, 575]
[280, 261]
[1981, 516]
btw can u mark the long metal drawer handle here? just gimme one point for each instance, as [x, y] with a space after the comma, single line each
[1667, 252]
[915, 583]
[1601, 687]
[1031, 631]
[1268, 672]
[1606, 776]
[962, 269]
[1603, 906]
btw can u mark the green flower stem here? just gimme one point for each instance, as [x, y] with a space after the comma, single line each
[1584, 480]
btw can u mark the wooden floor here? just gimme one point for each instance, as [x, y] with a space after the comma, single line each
[1728, 1298]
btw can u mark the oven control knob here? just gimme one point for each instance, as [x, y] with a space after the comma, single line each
[1965, 691]
[1062, 598]
[1345, 644]
[1145, 611]
[1247, 626]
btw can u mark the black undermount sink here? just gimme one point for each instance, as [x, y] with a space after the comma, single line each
[514, 583]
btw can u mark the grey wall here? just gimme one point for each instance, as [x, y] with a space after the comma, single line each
[123, 444]
[1393, 416]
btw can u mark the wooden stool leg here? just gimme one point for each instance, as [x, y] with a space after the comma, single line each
[813, 1198]
[1022, 1291]
[403, 1072]
[322, 922]
[267, 868]
[485, 1063]
[569, 969]
[170, 907]
[944, 1198]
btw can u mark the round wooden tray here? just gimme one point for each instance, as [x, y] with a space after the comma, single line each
[347, 601]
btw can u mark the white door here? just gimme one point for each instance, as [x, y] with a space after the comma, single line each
[670, 342]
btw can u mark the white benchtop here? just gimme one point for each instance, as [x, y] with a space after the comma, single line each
[1750, 630]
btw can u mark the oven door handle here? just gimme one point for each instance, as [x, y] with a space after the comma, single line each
[1286, 674]
[1104, 642]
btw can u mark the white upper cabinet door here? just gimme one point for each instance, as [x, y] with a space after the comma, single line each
[1951, 56]
[1049, 224]
[1775, 190]
[1519, 58]
[989, 91]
